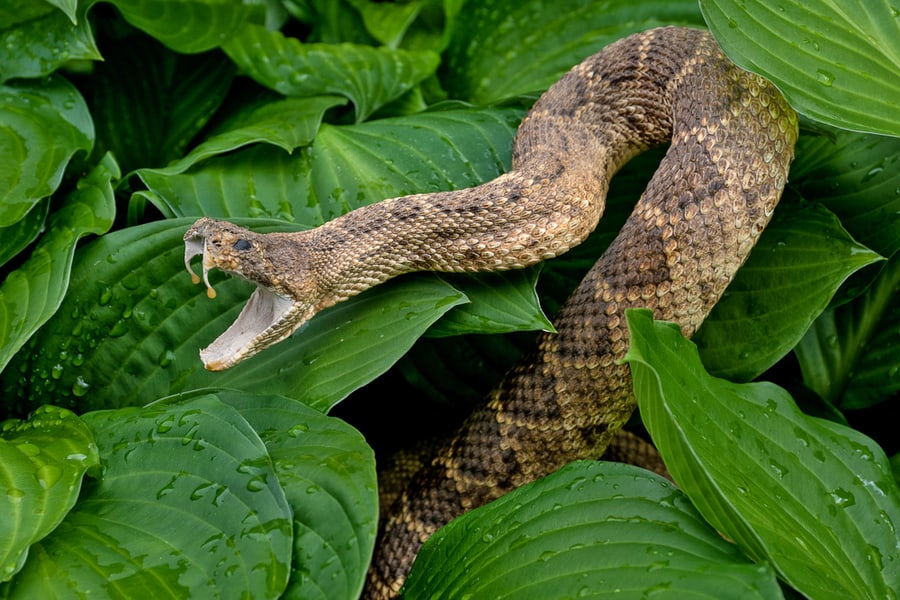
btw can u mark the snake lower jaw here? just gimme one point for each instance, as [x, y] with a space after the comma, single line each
[266, 319]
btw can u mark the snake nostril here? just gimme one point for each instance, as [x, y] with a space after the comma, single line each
[242, 244]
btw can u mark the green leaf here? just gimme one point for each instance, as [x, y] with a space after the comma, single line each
[849, 355]
[370, 77]
[42, 125]
[13, 12]
[505, 48]
[188, 505]
[42, 461]
[345, 167]
[801, 259]
[836, 63]
[589, 530]
[288, 123]
[816, 500]
[190, 26]
[68, 7]
[131, 326]
[857, 177]
[38, 46]
[328, 474]
[427, 152]
[388, 22]
[150, 102]
[19, 235]
[348, 345]
[31, 294]
[259, 181]
[498, 303]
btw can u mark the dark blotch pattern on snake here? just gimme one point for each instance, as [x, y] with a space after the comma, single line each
[732, 137]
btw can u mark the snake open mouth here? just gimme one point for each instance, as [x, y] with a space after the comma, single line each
[265, 319]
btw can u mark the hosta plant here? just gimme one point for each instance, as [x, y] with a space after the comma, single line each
[126, 467]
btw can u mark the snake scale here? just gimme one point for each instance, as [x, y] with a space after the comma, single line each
[731, 138]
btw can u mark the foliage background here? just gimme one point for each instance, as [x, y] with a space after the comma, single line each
[122, 122]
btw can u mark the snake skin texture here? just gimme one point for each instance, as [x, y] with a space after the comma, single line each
[731, 138]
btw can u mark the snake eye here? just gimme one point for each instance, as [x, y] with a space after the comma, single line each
[242, 244]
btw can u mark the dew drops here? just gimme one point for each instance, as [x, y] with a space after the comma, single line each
[80, 387]
[167, 489]
[871, 173]
[256, 483]
[547, 555]
[166, 358]
[47, 476]
[202, 490]
[119, 329]
[76, 457]
[166, 425]
[824, 77]
[843, 498]
[779, 469]
[298, 429]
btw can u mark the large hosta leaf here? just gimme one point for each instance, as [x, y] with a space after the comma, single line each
[502, 48]
[590, 530]
[190, 25]
[849, 355]
[816, 500]
[389, 22]
[32, 293]
[836, 62]
[857, 177]
[42, 124]
[498, 303]
[20, 234]
[801, 259]
[39, 45]
[288, 123]
[149, 102]
[188, 505]
[328, 474]
[42, 461]
[370, 77]
[131, 326]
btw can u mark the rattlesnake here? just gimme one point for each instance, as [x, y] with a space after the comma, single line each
[732, 136]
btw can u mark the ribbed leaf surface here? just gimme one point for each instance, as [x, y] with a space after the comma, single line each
[590, 530]
[816, 500]
[837, 62]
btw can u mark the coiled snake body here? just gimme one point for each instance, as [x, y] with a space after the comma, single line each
[732, 137]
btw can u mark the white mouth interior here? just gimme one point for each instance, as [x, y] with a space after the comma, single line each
[259, 321]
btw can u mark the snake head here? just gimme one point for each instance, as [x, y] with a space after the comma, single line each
[275, 309]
